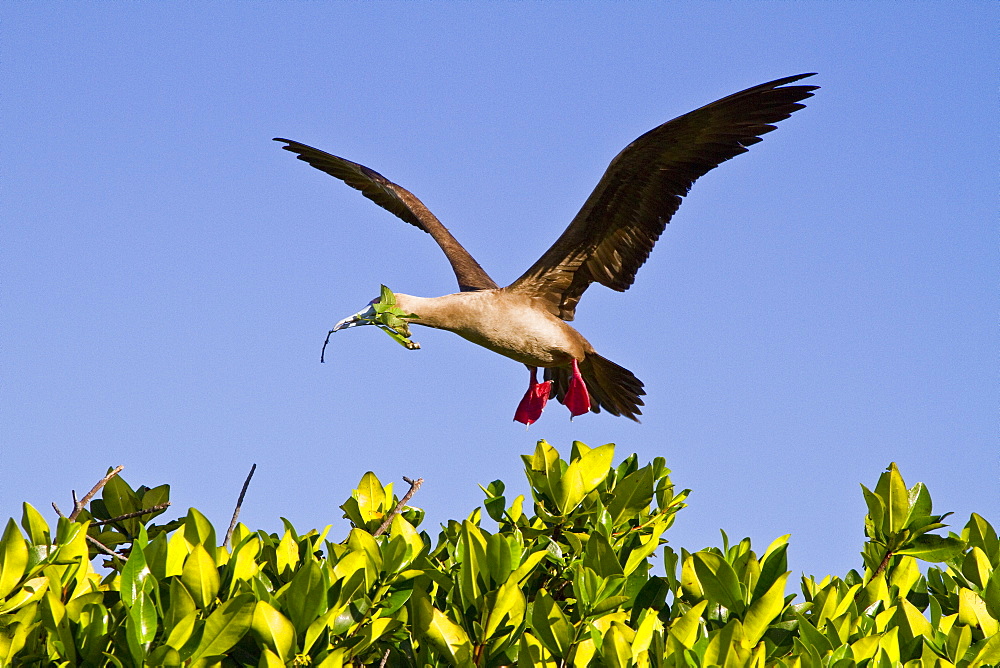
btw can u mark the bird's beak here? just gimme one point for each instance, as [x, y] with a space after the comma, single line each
[362, 317]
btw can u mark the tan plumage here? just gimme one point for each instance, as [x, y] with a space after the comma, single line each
[607, 241]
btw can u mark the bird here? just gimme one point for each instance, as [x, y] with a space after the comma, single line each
[606, 243]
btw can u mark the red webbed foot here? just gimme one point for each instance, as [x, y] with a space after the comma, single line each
[577, 398]
[534, 400]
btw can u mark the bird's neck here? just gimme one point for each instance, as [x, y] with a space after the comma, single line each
[437, 312]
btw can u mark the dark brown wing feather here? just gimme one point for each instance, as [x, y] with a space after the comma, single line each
[615, 230]
[403, 204]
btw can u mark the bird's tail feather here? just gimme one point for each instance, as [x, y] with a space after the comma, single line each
[611, 387]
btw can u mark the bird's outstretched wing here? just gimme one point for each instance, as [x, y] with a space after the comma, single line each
[614, 232]
[403, 204]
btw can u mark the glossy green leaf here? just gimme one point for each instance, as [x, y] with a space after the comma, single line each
[141, 626]
[371, 497]
[811, 637]
[29, 591]
[632, 495]
[583, 475]
[444, 635]
[363, 541]
[199, 531]
[543, 470]
[178, 550]
[165, 656]
[980, 533]
[718, 580]
[56, 625]
[600, 556]
[988, 654]
[508, 608]
[913, 621]
[919, 500]
[930, 547]
[896, 498]
[976, 567]
[550, 625]
[726, 646]
[13, 558]
[528, 565]
[616, 650]
[119, 499]
[35, 525]
[200, 576]
[685, 630]
[765, 610]
[304, 596]
[876, 513]
[404, 530]
[226, 626]
[135, 577]
[243, 564]
[274, 630]
[639, 556]
[652, 596]
[179, 605]
[991, 595]
[287, 553]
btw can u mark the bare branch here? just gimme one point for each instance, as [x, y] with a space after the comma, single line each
[128, 516]
[56, 508]
[239, 504]
[384, 659]
[414, 486]
[78, 506]
[104, 548]
[322, 353]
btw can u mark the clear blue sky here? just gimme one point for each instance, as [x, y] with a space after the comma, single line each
[820, 306]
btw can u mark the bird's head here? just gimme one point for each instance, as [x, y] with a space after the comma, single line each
[384, 314]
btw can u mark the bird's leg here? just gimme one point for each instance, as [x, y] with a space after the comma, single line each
[533, 402]
[577, 398]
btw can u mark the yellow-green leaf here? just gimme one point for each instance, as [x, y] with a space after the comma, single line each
[508, 609]
[639, 555]
[13, 558]
[269, 659]
[685, 629]
[550, 625]
[973, 612]
[616, 650]
[988, 654]
[274, 629]
[529, 564]
[583, 475]
[449, 638]
[764, 610]
[718, 579]
[916, 623]
[200, 576]
[287, 553]
[371, 497]
[178, 550]
[896, 498]
[226, 626]
[30, 591]
[726, 646]
[182, 630]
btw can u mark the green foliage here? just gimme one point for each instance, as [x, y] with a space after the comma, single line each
[389, 318]
[569, 582]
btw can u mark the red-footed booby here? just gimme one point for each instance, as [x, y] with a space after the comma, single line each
[607, 242]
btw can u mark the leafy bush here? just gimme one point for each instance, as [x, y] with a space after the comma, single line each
[570, 584]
